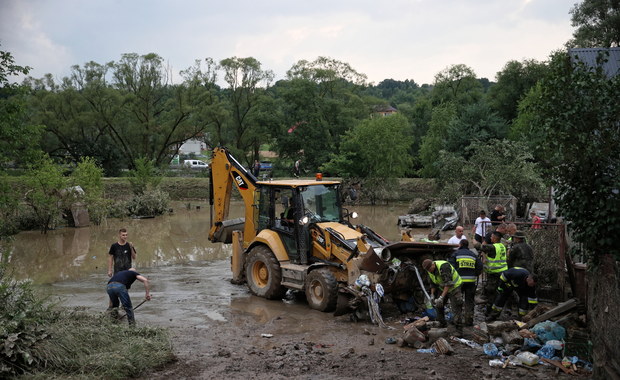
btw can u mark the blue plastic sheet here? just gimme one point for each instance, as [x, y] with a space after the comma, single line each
[549, 330]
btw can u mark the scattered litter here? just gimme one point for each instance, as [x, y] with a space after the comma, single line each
[528, 358]
[496, 363]
[531, 343]
[442, 346]
[266, 335]
[556, 344]
[490, 349]
[546, 351]
[466, 342]
[390, 340]
[427, 350]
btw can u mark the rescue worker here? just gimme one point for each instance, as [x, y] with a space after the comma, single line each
[443, 276]
[469, 267]
[519, 280]
[521, 253]
[494, 260]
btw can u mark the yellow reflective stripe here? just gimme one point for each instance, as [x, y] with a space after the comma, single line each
[532, 300]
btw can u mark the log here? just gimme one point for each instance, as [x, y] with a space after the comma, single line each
[561, 308]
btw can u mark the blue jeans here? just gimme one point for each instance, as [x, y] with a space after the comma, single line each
[118, 291]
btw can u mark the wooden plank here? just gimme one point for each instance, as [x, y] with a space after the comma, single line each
[559, 365]
[561, 308]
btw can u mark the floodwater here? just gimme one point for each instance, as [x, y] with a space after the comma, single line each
[189, 275]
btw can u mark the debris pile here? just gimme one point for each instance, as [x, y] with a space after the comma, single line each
[539, 342]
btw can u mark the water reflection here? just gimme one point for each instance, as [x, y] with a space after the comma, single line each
[70, 254]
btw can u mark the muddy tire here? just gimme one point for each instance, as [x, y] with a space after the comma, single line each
[263, 273]
[321, 290]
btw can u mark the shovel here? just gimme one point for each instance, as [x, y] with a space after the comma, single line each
[428, 303]
[124, 315]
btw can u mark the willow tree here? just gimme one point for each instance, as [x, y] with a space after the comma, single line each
[247, 81]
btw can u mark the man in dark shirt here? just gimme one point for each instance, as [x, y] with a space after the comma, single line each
[521, 254]
[118, 290]
[521, 281]
[497, 215]
[121, 254]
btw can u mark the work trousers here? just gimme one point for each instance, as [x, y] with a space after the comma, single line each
[504, 292]
[490, 289]
[469, 292]
[118, 292]
[456, 305]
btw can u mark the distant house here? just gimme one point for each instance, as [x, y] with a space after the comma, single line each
[383, 111]
[192, 146]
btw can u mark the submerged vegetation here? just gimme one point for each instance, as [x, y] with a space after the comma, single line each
[41, 340]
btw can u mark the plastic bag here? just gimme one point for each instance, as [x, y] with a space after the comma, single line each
[496, 363]
[490, 349]
[549, 330]
[546, 352]
[531, 343]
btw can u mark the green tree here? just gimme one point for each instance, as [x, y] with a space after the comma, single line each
[89, 176]
[494, 167]
[513, 82]
[581, 135]
[476, 122]
[376, 150]
[435, 139]
[47, 194]
[18, 137]
[245, 77]
[320, 101]
[18, 140]
[597, 23]
[457, 84]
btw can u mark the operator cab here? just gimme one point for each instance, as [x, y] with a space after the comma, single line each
[289, 210]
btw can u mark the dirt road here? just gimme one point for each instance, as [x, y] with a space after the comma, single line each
[217, 328]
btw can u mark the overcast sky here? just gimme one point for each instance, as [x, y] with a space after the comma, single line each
[398, 39]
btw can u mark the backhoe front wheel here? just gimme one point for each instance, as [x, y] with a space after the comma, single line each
[263, 273]
[321, 290]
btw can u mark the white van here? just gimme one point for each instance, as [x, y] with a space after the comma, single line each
[195, 164]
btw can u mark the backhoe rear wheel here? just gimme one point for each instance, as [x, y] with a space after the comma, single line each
[321, 290]
[263, 273]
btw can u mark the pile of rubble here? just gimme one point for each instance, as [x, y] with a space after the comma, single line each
[538, 341]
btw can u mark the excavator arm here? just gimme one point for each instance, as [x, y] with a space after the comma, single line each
[225, 173]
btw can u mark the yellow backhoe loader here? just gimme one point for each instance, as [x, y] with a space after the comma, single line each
[296, 235]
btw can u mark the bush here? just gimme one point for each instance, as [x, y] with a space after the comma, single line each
[149, 203]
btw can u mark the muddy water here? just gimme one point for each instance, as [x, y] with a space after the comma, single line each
[189, 274]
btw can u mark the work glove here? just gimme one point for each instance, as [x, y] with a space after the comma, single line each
[439, 302]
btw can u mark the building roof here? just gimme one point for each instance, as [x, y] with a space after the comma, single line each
[589, 56]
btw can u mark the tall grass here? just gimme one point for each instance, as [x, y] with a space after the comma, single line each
[39, 340]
